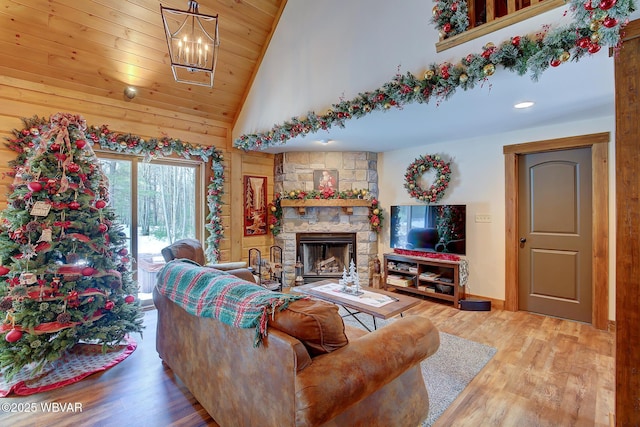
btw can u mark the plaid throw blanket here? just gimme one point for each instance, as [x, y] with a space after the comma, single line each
[207, 292]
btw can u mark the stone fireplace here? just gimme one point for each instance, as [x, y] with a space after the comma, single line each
[315, 218]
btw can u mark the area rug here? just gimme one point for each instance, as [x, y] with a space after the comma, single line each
[447, 372]
[81, 361]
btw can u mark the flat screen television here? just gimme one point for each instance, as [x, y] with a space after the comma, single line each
[429, 228]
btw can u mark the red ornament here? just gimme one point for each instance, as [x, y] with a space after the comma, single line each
[101, 204]
[34, 186]
[555, 62]
[125, 260]
[515, 41]
[610, 22]
[73, 167]
[587, 5]
[55, 147]
[103, 228]
[607, 4]
[109, 305]
[74, 205]
[89, 271]
[583, 42]
[13, 335]
[123, 252]
[25, 132]
[4, 270]
[593, 48]
[129, 299]
[81, 143]
[446, 27]
[454, 6]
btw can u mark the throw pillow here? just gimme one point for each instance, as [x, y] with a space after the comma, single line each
[316, 323]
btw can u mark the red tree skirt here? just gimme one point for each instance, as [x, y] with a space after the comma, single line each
[80, 362]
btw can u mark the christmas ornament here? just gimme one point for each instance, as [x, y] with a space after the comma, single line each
[129, 299]
[100, 204]
[103, 227]
[55, 147]
[583, 42]
[593, 48]
[610, 22]
[515, 41]
[73, 167]
[81, 143]
[88, 271]
[74, 205]
[4, 270]
[565, 56]
[489, 69]
[555, 62]
[109, 305]
[607, 4]
[34, 186]
[13, 335]
[123, 252]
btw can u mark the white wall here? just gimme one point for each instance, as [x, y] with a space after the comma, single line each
[477, 181]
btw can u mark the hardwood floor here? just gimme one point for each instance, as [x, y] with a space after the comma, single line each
[547, 372]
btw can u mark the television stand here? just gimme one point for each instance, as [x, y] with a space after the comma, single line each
[430, 277]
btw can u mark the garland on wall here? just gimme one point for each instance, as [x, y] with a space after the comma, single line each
[375, 216]
[595, 25]
[151, 148]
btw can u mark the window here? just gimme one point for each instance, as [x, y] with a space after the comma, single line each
[159, 202]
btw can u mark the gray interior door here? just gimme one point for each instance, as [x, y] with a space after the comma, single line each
[555, 233]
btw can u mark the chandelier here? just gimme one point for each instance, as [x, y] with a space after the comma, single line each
[193, 43]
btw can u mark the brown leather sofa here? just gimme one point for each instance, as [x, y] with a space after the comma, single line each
[374, 379]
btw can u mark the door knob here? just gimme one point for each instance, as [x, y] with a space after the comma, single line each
[522, 240]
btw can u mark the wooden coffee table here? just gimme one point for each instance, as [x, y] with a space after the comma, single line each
[400, 304]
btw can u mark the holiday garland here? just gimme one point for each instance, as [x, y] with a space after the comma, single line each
[151, 148]
[275, 220]
[451, 17]
[418, 168]
[595, 25]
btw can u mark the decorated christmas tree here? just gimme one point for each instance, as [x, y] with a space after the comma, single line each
[65, 275]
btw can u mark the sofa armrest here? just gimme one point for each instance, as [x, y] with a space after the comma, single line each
[339, 379]
[225, 266]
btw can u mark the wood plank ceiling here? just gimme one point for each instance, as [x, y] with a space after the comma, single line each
[99, 47]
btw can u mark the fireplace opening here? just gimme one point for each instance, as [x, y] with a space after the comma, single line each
[325, 255]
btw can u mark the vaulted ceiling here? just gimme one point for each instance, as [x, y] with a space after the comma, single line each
[99, 47]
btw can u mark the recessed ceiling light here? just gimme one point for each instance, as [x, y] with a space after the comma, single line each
[525, 104]
[324, 141]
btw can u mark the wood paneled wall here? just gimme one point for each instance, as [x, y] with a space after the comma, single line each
[255, 164]
[22, 99]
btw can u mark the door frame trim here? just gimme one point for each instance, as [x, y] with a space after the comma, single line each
[599, 144]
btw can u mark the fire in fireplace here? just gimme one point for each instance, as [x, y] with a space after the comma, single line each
[325, 255]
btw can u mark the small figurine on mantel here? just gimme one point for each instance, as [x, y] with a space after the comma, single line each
[350, 282]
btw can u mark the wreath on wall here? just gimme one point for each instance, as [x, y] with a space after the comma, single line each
[418, 168]
[275, 220]
[151, 148]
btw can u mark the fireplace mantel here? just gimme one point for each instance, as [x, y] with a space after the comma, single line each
[347, 205]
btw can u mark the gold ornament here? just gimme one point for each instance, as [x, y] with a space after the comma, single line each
[564, 57]
[489, 69]
[428, 75]
[463, 78]
[595, 37]
[435, 11]
[376, 211]
[594, 26]
[489, 45]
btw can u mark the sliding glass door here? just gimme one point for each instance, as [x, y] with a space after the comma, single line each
[159, 202]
